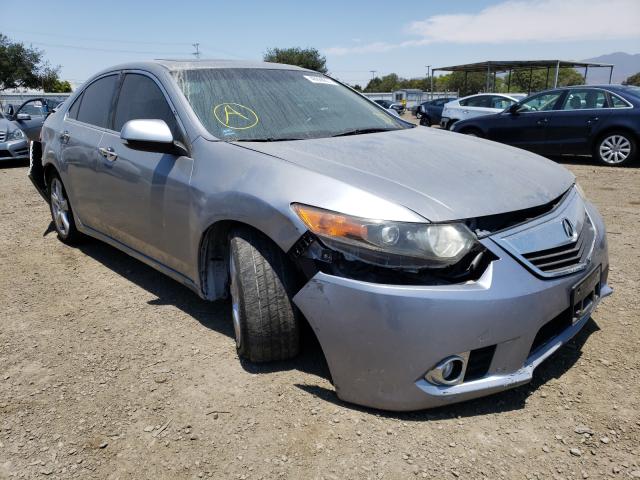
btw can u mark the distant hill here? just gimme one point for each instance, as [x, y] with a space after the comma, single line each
[626, 65]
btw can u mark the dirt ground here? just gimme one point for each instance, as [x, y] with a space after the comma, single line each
[110, 370]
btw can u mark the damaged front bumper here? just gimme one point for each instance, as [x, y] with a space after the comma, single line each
[380, 340]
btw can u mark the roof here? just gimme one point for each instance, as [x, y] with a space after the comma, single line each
[190, 64]
[505, 65]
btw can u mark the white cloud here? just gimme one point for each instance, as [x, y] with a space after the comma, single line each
[520, 21]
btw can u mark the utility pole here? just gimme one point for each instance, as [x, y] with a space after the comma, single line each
[197, 52]
[429, 80]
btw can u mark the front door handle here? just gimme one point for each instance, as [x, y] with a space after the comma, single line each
[64, 136]
[542, 122]
[108, 153]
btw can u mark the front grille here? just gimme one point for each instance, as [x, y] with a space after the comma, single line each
[5, 153]
[551, 329]
[566, 256]
[3, 136]
[479, 363]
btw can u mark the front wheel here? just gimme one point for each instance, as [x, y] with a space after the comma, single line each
[425, 121]
[616, 148]
[262, 283]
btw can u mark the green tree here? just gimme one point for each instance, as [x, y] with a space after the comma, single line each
[357, 87]
[633, 80]
[22, 66]
[302, 57]
[540, 81]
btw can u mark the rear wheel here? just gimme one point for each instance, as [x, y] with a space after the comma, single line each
[262, 283]
[616, 148]
[61, 212]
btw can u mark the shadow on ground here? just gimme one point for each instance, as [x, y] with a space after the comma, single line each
[216, 316]
[213, 315]
[7, 164]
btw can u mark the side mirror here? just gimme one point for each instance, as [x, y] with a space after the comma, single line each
[151, 136]
[514, 109]
[23, 116]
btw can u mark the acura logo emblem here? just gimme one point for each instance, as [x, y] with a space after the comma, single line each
[568, 228]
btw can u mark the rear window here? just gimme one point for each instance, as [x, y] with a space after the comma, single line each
[95, 107]
[254, 104]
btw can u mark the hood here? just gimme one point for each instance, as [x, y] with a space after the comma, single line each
[440, 175]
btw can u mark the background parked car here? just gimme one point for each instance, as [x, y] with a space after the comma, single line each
[430, 112]
[603, 121]
[475, 106]
[398, 107]
[31, 115]
[13, 141]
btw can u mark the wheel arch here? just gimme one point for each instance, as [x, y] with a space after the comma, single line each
[213, 250]
[611, 129]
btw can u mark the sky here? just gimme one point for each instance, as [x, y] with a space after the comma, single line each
[355, 36]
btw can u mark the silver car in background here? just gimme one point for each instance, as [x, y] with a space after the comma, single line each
[13, 141]
[432, 267]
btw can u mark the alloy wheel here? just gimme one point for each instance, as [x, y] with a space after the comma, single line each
[615, 149]
[59, 207]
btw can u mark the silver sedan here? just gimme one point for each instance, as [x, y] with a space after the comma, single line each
[432, 267]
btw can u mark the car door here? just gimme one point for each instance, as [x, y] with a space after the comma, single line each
[527, 127]
[79, 137]
[30, 116]
[146, 194]
[574, 122]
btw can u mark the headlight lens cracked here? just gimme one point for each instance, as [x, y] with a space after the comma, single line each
[388, 243]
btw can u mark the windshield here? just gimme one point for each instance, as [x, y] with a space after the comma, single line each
[244, 104]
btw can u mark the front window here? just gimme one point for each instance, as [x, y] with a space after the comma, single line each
[542, 102]
[241, 104]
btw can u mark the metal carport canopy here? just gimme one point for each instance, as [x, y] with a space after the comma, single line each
[501, 66]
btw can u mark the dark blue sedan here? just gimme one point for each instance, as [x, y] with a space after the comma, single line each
[430, 112]
[603, 121]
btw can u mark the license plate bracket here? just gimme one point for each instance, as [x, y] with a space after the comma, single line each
[585, 293]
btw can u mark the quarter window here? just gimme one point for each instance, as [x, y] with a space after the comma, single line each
[617, 102]
[95, 108]
[140, 98]
[584, 99]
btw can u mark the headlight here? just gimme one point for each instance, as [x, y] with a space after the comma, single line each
[387, 243]
[580, 191]
[16, 134]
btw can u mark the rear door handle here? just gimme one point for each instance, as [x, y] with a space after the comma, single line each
[592, 120]
[108, 153]
[542, 122]
[64, 136]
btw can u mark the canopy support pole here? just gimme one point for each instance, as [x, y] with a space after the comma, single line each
[555, 81]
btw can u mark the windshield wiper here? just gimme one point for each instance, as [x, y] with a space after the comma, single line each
[268, 139]
[360, 131]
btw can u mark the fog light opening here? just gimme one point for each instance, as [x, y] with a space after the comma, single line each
[449, 371]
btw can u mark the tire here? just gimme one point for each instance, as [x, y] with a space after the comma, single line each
[425, 121]
[62, 213]
[616, 149]
[262, 283]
